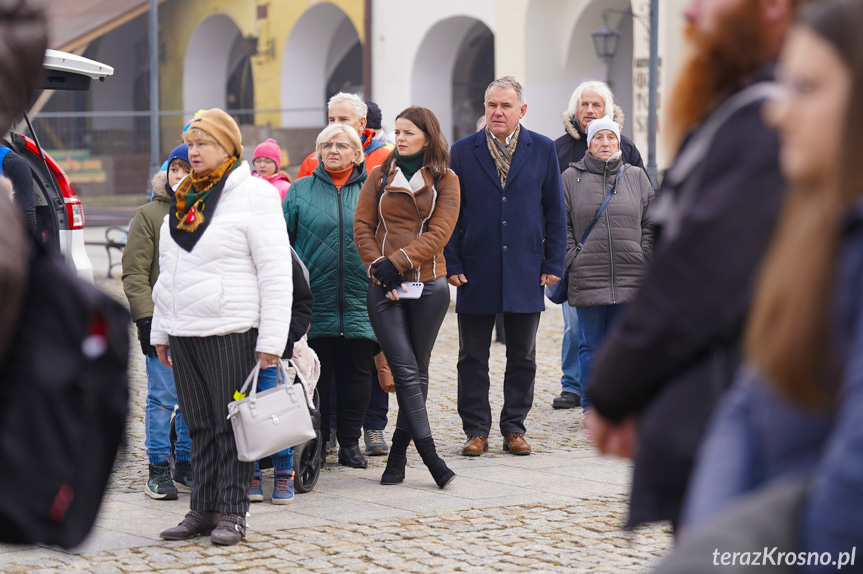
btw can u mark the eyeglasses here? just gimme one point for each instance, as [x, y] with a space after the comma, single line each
[260, 160]
[327, 146]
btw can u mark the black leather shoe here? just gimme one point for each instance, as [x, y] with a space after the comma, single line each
[566, 400]
[352, 457]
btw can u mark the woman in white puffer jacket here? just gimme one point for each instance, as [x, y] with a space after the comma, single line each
[222, 302]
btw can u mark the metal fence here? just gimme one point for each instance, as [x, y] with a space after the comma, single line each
[108, 153]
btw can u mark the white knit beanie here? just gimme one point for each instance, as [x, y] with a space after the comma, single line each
[604, 123]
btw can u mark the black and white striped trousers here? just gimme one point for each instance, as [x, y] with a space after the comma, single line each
[207, 371]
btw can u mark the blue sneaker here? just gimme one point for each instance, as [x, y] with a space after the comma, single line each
[283, 492]
[256, 493]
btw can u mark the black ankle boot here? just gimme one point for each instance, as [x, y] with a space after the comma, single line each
[398, 458]
[437, 467]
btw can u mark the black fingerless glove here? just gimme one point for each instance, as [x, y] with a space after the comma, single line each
[144, 337]
[387, 274]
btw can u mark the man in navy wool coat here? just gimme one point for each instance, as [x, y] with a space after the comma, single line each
[508, 245]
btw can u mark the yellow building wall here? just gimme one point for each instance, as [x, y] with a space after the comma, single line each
[179, 19]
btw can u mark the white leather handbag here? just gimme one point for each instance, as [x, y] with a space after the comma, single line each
[272, 420]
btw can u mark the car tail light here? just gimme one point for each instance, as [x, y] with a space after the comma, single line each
[74, 212]
[74, 209]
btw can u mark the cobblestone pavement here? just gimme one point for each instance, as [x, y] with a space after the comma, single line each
[558, 510]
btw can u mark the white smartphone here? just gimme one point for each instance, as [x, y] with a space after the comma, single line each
[410, 291]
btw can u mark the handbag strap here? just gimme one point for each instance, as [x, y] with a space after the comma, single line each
[252, 379]
[602, 206]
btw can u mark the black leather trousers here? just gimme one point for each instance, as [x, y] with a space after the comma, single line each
[407, 330]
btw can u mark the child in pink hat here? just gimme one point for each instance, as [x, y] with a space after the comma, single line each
[268, 158]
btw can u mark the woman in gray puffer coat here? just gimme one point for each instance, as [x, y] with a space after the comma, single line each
[23, 39]
[605, 273]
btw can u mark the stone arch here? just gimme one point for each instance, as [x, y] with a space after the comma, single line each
[453, 66]
[208, 59]
[322, 56]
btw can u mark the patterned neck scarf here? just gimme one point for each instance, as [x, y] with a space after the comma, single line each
[501, 154]
[194, 195]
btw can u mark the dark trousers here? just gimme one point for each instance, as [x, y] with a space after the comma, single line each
[207, 371]
[350, 362]
[473, 382]
[379, 405]
[407, 330]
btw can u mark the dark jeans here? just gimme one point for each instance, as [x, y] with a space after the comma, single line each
[350, 361]
[473, 381]
[379, 405]
[593, 323]
[407, 330]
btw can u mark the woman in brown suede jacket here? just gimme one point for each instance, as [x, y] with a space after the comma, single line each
[405, 215]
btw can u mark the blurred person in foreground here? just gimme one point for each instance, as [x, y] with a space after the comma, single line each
[609, 197]
[23, 39]
[140, 273]
[590, 101]
[509, 243]
[13, 264]
[319, 211]
[16, 168]
[406, 213]
[796, 409]
[663, 368]
[222, 302]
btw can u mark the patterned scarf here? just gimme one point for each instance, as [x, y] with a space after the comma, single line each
[194, 195]
[501, 154]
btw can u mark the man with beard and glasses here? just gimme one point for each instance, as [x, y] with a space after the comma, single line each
[661, 371]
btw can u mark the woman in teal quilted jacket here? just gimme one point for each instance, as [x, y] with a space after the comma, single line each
[319, 212]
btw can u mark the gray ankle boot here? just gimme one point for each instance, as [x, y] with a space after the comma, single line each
[196, 523]
[231, 529]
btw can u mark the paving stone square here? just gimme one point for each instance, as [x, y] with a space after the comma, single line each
[557, 510]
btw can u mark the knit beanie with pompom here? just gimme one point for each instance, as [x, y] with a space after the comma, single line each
[270, 150]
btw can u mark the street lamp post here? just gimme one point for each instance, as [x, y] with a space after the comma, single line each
[653, 80]
[154, 87]
[605, 41]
